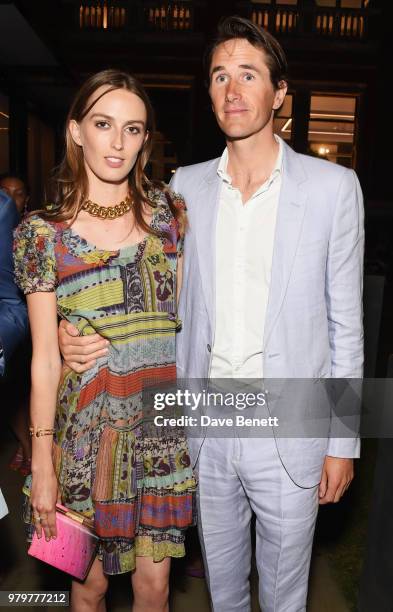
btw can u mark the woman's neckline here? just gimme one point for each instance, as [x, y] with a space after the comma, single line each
[127, 247]
[94, 247]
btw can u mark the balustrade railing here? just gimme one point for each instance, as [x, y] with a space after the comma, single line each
[281, 20]
[169, 16]
[309, 20]
[172, 15]
[102, 14]
[150, 15]
[340, 23]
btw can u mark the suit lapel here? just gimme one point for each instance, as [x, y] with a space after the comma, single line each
[290, 216]
[205, 232]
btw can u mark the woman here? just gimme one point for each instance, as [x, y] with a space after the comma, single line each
[113, 270]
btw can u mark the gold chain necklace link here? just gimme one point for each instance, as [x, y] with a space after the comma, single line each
[107, 212]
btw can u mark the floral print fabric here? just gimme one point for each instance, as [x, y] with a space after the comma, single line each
[137, 485]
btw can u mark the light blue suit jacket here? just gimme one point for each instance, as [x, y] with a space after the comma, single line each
[314, 320]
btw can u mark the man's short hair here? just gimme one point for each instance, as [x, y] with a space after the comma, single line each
[13, 175]
[240, 27]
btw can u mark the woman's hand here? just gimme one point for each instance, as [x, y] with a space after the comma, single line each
[44, 494]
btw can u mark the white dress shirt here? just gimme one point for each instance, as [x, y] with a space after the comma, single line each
[244, 251]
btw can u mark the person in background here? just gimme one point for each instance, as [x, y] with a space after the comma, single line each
[14, 327]
[13, 312]
[17, 189]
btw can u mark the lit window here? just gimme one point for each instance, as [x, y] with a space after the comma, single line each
[331, 128]
[283, 119]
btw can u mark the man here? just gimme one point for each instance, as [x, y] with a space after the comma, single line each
[17, 190]
[13, 312]
[272, 288]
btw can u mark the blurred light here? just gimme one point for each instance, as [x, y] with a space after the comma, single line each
[323, 150]
[329, 115]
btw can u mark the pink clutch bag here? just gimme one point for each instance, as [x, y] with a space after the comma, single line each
[74, 548]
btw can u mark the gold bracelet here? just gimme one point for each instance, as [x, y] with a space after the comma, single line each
[41, 432]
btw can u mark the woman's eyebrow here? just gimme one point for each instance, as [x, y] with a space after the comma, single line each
[110, 117]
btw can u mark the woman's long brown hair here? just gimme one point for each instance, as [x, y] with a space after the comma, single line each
[70, 182]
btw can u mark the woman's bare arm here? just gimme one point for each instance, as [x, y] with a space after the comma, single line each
[45, 375]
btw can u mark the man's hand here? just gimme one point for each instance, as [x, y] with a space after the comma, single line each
[80, 352]
[337, 475]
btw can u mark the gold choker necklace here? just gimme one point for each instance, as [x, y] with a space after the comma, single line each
[108, 212]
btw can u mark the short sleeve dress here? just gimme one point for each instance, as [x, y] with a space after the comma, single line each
[139, 490]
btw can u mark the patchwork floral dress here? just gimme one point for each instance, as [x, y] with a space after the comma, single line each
[139, 489]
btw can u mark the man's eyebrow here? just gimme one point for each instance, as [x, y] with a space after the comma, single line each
[249, 67]
[243, 66]
[110, 117]
[217, 69]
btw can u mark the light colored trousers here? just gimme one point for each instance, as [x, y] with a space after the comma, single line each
[236, 477]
